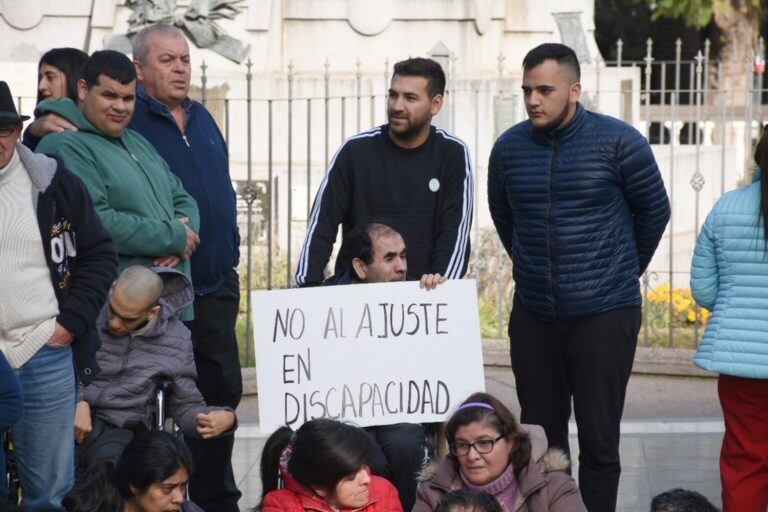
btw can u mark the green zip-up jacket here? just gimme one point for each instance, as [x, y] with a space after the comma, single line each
[138, 199]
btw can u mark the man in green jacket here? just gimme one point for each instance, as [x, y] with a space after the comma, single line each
[143, 205]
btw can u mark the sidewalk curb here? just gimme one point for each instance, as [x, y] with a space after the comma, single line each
[649, 361]
[675, 362]
[628, 428]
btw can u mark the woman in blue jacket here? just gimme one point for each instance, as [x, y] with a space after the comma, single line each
[729, 277]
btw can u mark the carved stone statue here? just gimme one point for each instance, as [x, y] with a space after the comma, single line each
[198, 22]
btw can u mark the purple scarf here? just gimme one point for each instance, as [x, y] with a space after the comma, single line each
[504, 488]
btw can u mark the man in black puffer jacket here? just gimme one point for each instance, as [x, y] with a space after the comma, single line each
[580, 206]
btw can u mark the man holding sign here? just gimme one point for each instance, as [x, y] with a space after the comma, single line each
[377, 255]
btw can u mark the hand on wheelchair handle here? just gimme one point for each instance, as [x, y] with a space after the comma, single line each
[214, 423]
[83, 424]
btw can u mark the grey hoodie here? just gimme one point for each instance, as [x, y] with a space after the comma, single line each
[123, 394]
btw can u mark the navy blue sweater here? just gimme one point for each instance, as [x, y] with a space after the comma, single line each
[580, 211]
[199, 158]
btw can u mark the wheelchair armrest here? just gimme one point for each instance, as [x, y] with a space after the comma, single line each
[165, 385]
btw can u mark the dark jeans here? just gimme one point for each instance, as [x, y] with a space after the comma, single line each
[105, 442]
[401, 453]
[212, 485]
[588, 359]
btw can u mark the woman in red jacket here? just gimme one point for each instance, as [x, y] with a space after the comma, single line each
[322, 467]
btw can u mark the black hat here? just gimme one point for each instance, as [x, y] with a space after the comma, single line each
[8, 114]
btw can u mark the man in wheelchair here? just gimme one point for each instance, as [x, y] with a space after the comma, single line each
[142, 343]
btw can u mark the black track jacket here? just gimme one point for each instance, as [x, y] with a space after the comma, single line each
[424, 193]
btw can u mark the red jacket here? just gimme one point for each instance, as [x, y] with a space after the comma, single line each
[296, 498]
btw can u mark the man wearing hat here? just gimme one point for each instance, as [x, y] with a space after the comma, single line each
[58, 263]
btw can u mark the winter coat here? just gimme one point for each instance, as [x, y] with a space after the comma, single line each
[199, 158]
[137, 197]
[294, 497]
[543, 486]
[123, 394]
[580, 211]
[78, 250]
[729, 277]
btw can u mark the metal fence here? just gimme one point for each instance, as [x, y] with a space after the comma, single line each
[682, 106]
[282, 137]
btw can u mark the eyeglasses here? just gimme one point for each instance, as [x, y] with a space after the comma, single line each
[481, 446]
[7, 131]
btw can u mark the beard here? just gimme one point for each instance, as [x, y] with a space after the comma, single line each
[554, 123]
[410, 130]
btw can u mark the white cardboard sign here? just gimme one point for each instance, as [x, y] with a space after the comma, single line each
[371, 354]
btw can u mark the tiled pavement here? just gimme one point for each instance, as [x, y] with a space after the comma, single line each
[678, 448]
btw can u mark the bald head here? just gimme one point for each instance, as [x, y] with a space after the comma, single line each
[133, 300]
[139, 286]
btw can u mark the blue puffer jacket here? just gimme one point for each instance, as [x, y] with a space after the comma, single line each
[729, 277]
[580, 211]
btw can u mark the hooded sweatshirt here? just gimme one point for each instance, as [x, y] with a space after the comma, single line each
[79, 253]
[137, 197]
[123, 394]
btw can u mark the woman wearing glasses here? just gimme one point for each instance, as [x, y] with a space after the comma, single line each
[491, 452]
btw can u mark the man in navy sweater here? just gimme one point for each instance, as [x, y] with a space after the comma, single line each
[187, 137]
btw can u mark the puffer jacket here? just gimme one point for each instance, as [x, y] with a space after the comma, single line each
[580, 211]
[543, 486]
[729, 277]
[294, 497]
[132, 365]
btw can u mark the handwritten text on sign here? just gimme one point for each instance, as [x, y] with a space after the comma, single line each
[372, 354]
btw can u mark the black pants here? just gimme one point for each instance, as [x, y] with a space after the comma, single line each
[588, 359]
[105, 442]
[212, 485]
[401, 453]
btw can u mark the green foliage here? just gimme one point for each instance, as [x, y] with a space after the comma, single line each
[694, 13]
[628, 20]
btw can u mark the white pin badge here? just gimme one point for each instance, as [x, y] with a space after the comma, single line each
[434, 184]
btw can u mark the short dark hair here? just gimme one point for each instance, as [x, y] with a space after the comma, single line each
[323, 452]
[681, 500]
[69, 61]
[359, 241]
[111, 64]
[426, 68]
[561, 53]
[467, 500]
[500, 418]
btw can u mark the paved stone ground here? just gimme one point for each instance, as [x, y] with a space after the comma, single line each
[671, 437]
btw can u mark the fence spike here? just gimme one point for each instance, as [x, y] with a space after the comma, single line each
[203, 83]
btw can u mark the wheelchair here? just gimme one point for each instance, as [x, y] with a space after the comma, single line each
[162, 418]
[12, 484]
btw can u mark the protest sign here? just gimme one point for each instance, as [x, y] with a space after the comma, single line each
[371, 354]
